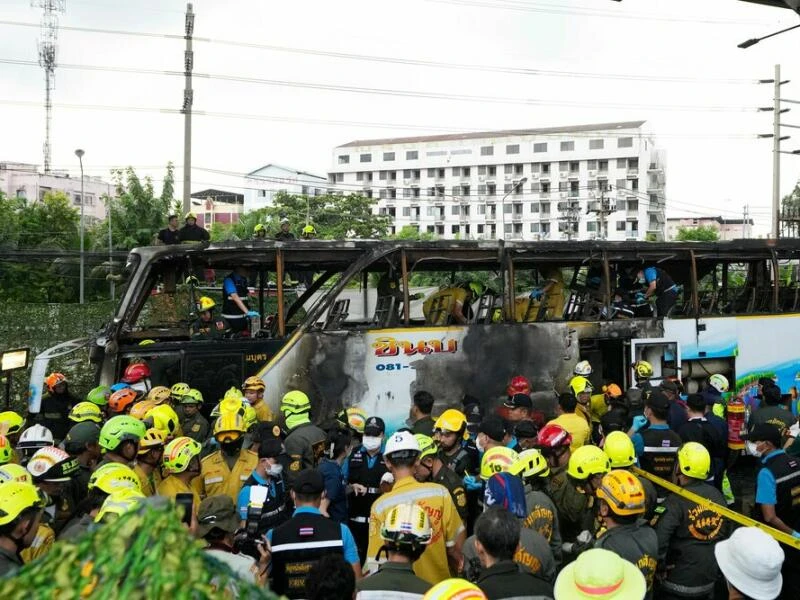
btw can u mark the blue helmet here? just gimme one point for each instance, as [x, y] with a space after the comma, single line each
[119, 386]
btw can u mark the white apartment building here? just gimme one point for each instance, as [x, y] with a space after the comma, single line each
[22, 180]
[262, 184]
[530, 184]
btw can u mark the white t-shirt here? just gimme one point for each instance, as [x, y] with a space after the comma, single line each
[241, 564]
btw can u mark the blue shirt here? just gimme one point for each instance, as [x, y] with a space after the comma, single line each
[650, 275]
[766, 486]
[638, 440]
[229, 284]
[335, 489]
[350, 548]
[243, 499]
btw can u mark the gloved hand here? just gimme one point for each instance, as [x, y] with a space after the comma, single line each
[536, 294]
[796, 534]
[567, 547]
[471, 483]
[641, 298]
[584, 537]
[253, 314]
[639, 421]
[387, 478]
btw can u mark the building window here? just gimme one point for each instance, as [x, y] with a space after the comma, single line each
[567, 146]
[465, 190]
[602, 165]
[626, 142]
[573, 189]
[480, 229]
[456, 171]
[591, 184]
[591, 165]
[536, 187]
[454, 229]
[507, 188]
[534, 227]
[512, 149]
[574, 166]
[481, 209]
[412, 154]
[406, 211]
[491, 189]
[622, 163]
[595, 144]
[545, 187]
[540, 147]
[388, 156]
[634, 184]
[620, 225]
[508, 169]
[339, 177]
[382, 175]
[262, 193]
[591, 226]
[365, 158]
[517, 169]
[545, 169]
[562, 186]
[534, 207]
[633, 163]
[487, 150]
[492, 171]
[622, 184]
[415, 192]
[436, 153]
[344, 159]
[465, 171]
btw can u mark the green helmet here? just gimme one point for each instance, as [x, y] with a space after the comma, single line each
[193, 396]
[179, 389]
[295, 402]
[427, 446]
[99, 395]
[120, 429]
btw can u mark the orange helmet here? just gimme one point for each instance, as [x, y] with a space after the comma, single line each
[612, 390]
[54, 379]
[121, 400]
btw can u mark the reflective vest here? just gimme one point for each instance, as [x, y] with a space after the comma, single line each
[660, 452]
[370, 477]
[229, 307]
[274, 511]
[216, 478]
[786, 470]
[297, 545]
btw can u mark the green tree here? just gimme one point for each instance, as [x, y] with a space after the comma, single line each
[9, 221]
[704, 233]
[792, 201]
[51, 223]
[411, 233]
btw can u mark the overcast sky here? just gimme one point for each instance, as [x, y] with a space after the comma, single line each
[715, 165]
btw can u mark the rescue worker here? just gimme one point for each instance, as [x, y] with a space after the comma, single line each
[164, 418]
[305, 443]
[51, 470]
[660, 285]
[308, 233]
[365, 470]
[777, 494]
[206, 327]
[698, 429]
[525, 432]
[235, 295]
[622, 455]
[405, 534]
[452, 305]
[498, 466]
[300, 542]
[431, 468]
[688, 532]
[169, 235]
[542, 515]
[454, 452]
[677, 407]
[337, 447]
[56, 406]
[268, 474]
[582, 389]
[401, 455]
[571, 420]
[137, 376]
[716, 385]
[586, 468]
[33, 438]
[352, 420]
[181, 464]
[224, 471]
[554, 443]
[642, 373]
[194, 424]
[419, 417]
[21, 510]
[259, 232]
[148, 461]
[773, 411]
[497, 538]
[82, 443]
[191, 231]
[11, 425]
[119, 440]
[253, 389]
[85, 411]
[284, 235]
[121, 401]
[622, 503]
[657, 445]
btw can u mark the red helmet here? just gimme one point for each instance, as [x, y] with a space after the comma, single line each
[519, 385]
[553, 436]
[136, 372]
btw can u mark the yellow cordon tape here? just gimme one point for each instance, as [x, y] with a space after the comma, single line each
[780, 536]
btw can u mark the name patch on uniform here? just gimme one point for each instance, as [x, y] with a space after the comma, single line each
[305, 531]
[210, 480]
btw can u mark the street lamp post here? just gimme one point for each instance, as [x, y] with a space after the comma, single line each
[79, 153]
[503, 206]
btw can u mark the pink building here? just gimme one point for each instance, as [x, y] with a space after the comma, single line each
[217, 206]
[729, 229]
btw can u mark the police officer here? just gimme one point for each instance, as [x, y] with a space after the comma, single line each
[660, 285]
[235, 295]
[431, 468]
[267, 474]
[366, 468]
[688, 532]
[300, 542]
[305, 443]
[657, 445]
[194, 424]
[224, 471]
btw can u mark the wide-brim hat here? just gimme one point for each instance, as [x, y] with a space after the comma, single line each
[600, 574]
[751, 561]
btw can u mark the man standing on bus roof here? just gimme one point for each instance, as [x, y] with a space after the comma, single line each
[660, 285]
[284, 235]
[234, 304]
[169, 235]
[191, 231]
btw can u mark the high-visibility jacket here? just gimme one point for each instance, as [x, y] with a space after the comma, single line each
[44, 540]
[263, 413]
[147, 483]
[172, 486]
[216, 478]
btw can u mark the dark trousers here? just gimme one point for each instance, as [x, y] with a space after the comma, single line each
[360, 532]
[665, 302]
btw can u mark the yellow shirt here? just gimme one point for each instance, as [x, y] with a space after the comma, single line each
[147, 483]
[435, 500]
[263, 413]
[598, 407]
[172, 486]
[44, 540]
[217, 479]
[452, 296]
[577, 427]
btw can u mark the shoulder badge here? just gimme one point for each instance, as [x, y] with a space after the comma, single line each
[196, 427]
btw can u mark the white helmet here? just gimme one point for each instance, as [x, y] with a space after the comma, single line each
[37, 436]
[401, 441]
[583, 368]
[719, 382]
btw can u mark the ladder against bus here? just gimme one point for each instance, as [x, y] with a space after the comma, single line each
[488, 306]
[337, 314]
[385, 312]
[439, 311]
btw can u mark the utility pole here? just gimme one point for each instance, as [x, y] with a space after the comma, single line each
[48, 48]
[603, 209]
[188, 100]
[776, 156]
[744, 221]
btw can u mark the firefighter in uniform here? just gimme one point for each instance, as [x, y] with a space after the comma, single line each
[542, 514]
[206, 327]
[148, 461]
[431, 468]
[253, 388]
[459, 454]
[300, 542]
[622, 455]
[366, 468]
[56, 406]
[305, 442]
[621, 504]
[778, 495]
[657, 446]
[268, 473]
[688, 532]
[224, 471]
[194, 424]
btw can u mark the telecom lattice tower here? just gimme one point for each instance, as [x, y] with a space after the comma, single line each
[48, 46]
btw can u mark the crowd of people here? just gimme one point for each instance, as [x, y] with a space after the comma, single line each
[476, 502]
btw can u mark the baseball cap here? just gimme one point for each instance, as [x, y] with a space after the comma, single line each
[696, 401]
[217, 511]
[81, 434]
[270, 448]
[759, 579]
[518, 401]
[764, 432]
[309, 482]
[670, 385]
[267, 430]
[494, 427]
[525, 430]
[374, 426]
[401, 441]
[656, 399]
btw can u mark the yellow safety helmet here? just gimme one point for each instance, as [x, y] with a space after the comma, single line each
[254, 383]
[498, 460]
[14, 473]
[147, 342]
[249, 417]
[179, 390]
[587, 461]
[159, 394]
[580, 385]
[427, 447]
[11, 421]
[407, 526]
[119, 503]
[112, 477]
[190, 215]
[476, 287]
[192, 396]
[356, 419]
[164, 419]
[153, 438]
[295, 402]
[259, 227]
[531, 463]
[643, 369]
[309, 229]
[16, 498]
[619, 448]
[6, 450]
[451, 420]
[85, 411]
[205, 303]
[454, 589]
[140, 409]
[623, 492]
[179, 453]
[694, 460]
[233, 393]
[229, 427]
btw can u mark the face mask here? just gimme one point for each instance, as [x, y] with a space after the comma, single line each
[231, 448]
[641, 280]
[371, 442]
[275, 470]
[479, 444]
[751, 449]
